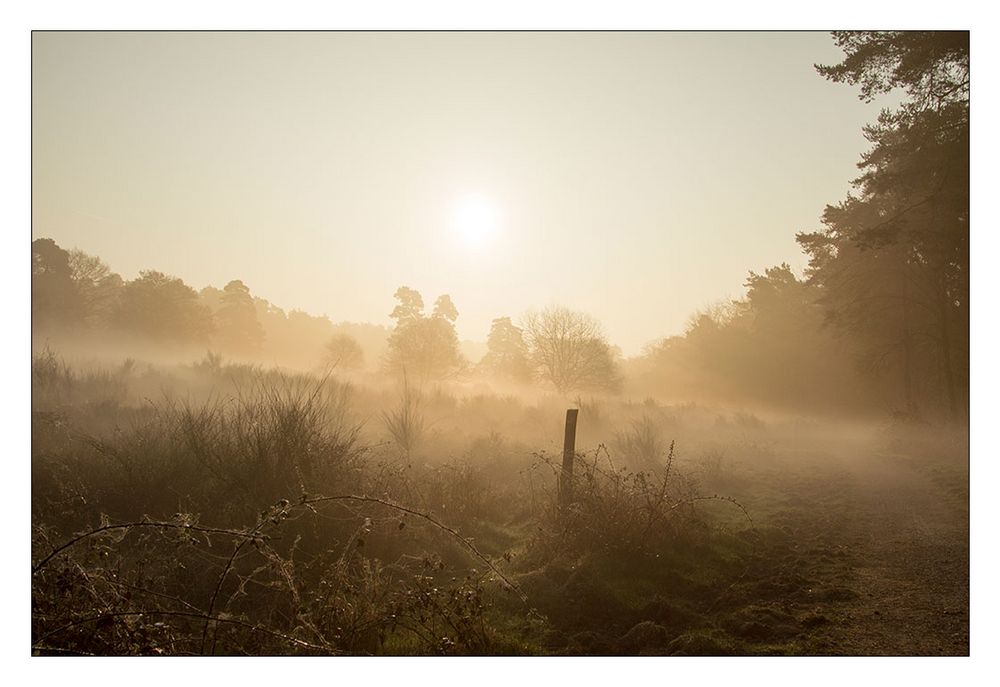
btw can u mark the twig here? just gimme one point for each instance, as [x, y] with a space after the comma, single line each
[129, 525]
[429, 518]
[222, 578]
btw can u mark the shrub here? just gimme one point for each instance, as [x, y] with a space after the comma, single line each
[164, 588]
[642, 444]
[405, 422]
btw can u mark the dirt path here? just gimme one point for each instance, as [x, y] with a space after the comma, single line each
[858, 558]
[911, 546]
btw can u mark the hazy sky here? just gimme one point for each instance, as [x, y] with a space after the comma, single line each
[635, 176]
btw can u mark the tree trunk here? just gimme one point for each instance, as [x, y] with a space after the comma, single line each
[946, 357]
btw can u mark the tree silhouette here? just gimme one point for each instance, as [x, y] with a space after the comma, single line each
[238, 329]
[931, 66]
[443, 307]
[162, 308]
[771, 346]
[893, 258]
[97, 286]
[425, 348]
[568, 349]
[409, 307]
[507, 356]
[54, 296]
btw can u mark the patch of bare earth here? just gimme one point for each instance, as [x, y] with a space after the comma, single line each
[856, 557]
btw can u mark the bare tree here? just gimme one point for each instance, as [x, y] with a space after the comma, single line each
[569, 350]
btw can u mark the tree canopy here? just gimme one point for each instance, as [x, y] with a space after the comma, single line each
[239, 330]
[892, 261]
[507, 354]
[54, 296]
[163, 308]
[424, 348]
[568, 349]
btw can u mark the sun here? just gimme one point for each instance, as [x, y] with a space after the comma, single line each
[475, 221]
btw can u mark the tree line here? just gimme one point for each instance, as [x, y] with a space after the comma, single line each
[556, 346]
[881, 317]
[879, 320]
[73, 290]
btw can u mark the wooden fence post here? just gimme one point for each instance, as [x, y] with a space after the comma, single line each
[569, 452]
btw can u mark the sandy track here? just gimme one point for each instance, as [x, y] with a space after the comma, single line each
[870, 556]
[911, 563]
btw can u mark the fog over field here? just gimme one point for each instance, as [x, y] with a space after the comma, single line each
[554, 343]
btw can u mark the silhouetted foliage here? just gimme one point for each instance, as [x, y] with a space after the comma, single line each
[893, 258]
[236, 320]
[507, 357]
[770, 346]
[568, 350]
[443, 307]
[54, 297]
[97, 286]
[163, 308]
[296, 336]
[410, 305]
[932, 66]
[425, 348]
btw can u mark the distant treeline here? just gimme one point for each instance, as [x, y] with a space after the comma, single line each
[882, 316]
[73, 291]
[879, 322]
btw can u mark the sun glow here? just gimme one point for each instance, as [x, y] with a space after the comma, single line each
[475, 221]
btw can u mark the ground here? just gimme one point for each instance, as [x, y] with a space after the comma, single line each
[875, 553]
[856, 554]
[823, 537]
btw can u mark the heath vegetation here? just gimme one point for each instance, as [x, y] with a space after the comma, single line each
[215, 475]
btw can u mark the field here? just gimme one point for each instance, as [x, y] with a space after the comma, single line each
[215, 508]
